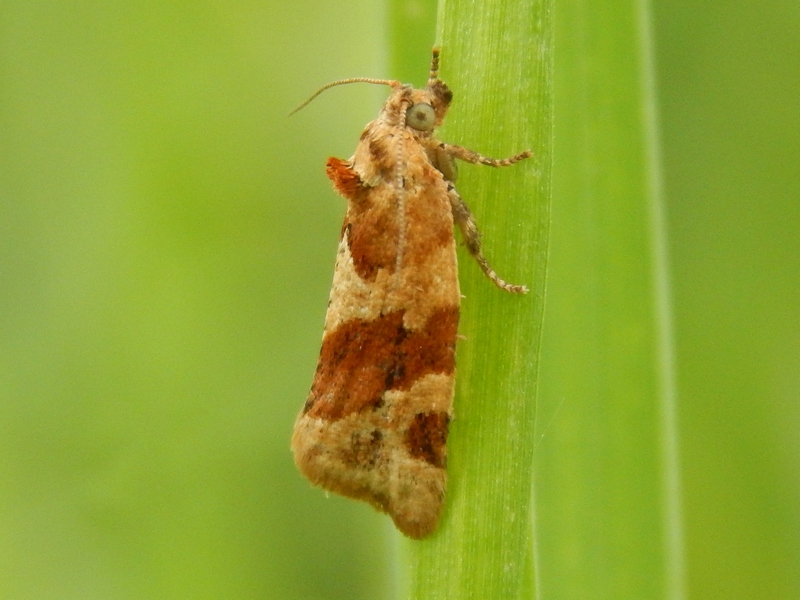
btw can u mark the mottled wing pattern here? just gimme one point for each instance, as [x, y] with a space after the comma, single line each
[375, 424]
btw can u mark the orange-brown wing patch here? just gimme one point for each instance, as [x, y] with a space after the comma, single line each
[361, 360]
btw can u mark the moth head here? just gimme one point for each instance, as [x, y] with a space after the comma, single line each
[426, 107]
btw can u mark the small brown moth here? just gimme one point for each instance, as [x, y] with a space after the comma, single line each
[374, 427]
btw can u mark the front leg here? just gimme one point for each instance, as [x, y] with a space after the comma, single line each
[465, 220]
[475, 158]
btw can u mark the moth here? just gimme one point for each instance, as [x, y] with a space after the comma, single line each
[375, 424]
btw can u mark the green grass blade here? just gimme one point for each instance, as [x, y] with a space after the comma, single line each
[495, 58]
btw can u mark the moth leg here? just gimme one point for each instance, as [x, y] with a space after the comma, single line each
[473, 157]
[465, 220]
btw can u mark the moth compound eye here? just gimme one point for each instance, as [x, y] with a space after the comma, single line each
[421, 117]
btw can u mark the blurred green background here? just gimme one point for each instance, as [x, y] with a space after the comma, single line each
[729, 83]
[167, 239]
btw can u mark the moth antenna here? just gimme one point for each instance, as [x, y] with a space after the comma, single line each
[434, 76]
[390, 82]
